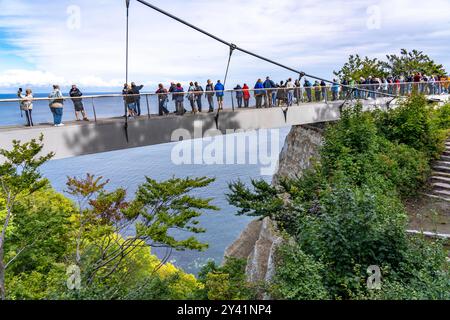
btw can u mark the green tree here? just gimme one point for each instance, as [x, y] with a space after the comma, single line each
[357, 67]
[157, 209]
[410, 62]
[226, 282]
[19, 177]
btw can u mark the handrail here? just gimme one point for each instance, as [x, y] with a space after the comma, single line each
[312, 87]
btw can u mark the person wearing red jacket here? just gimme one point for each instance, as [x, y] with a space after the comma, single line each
[246, 91]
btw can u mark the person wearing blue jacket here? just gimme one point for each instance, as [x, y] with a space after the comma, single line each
[219, 88]
[179, 99]
[335, 89]
[307, 85]
[259, 93]
[268, 97]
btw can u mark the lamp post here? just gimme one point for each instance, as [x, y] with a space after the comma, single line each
[127, 3]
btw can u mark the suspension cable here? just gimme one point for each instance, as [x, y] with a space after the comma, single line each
[301, 73]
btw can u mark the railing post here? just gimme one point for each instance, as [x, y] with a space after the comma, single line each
[148, 105]
[93, 108]
[232, 100]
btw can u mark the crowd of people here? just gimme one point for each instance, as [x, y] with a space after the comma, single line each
[266, 93]
[56, 104]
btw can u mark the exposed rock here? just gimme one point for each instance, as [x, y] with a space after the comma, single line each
[300, 149]
[258, 242]
[244, 245]
[261, 257]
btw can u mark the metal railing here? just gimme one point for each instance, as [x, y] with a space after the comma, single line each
[106, 106]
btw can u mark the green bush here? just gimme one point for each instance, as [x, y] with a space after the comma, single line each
[226, 282]
[345, 214]
[441, 117]
[298, 276]
[411, 124]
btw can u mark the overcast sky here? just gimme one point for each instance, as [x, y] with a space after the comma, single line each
[83, 41]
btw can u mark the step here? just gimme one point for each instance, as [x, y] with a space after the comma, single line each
[435, 235]
[441, 169]
[442, 193]
[441, 186]
[445, 158]
[441, 179]
[443, 163]
[433, 196]
[440, 174]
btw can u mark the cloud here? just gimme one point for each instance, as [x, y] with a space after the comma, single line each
[315, 36]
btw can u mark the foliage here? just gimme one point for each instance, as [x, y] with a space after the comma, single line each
[355, 227]
[226, 282]
[261, 203]
[345, 214]
[105, 258]
[19, 176]
[48, 233]
[410, 62]
[298, 276]
[405, 64]
[357, 67]
[441, 118]
[411, 124]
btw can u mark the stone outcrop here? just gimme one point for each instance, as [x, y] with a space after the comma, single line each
[258, 242]
[300, 149]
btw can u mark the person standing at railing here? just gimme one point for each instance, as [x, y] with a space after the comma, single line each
[259, 93]
[324, 88]
[219, 88]
[290, 86]
[137, 92]
[432, 85]
[57, 105]
[317, 91]
[246, 94]
[308, 88]
[198, 96]
[335, 90]
[210, 95]
[130, 101]
[445, 84]
[268, 99]
[179, 99]
[163, 99]
[191, 97]
[409, 81]
[78, 103]
[26, 105]
[239, 95]
[281, 94]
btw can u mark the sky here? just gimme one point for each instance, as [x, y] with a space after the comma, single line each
[43, 42]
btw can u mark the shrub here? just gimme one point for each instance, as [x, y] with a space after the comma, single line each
[411, 124]
[226, 282]
[298, 276]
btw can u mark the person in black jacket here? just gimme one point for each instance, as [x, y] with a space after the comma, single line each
[76, 94]
[137, 90]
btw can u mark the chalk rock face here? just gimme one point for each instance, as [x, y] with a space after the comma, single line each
[300, 149]
[244, 245]
[258, 242]
[261, 258]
